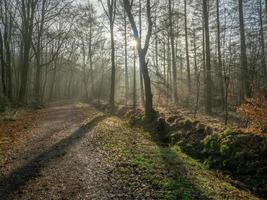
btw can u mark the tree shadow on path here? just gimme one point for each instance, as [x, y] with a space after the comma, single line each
[19, 177]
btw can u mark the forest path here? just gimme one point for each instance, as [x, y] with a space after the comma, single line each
[77, 152]
[60, 161]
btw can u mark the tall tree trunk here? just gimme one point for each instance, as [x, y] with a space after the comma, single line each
[2, 63]
[112, 89]
[140, 70]
[8, 58]
[91, 63]
[28, 13]
[44, 84]
[208, 90]
[244, 87]
[149, 111]
[85, 82]
[165, 74]
[169, 71]
[187, 54]
[126, 60]
[164, 63]
[24, 70]
[110, 11]
[262, 42]
[52, 88]
[5, 51]
[203, 50]
[134, 81]
[38, 81]
[38, 54]
[174, 73]
[195, 59]
[219, 53]
[156, 63]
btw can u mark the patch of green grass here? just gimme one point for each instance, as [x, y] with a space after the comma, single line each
[154, 172]
[167, 171]
[153, 167]
[142, 162]
[187, 159]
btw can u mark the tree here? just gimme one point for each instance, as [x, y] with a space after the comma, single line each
[174, 73]
[5, 49]
[187, 52]
[125, 59]
[140, 70]
[262, 42]
[27, 16]
[149, 111]
[110, 11]
[208, 90]
[219, 52]
[90, 36]
[134, 80]
[244, 82]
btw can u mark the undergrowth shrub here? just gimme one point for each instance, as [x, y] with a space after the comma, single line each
[243, 155]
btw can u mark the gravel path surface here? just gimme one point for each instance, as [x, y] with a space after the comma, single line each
[60, 161]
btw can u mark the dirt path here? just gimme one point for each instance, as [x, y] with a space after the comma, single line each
[77, 152]
[61, 161]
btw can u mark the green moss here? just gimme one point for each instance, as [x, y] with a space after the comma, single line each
[189, 160]
[167, 188]
[225, 150]
[210, 142]
[142, 162]
[220, 143]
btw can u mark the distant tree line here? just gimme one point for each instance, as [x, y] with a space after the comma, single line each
[200, 54]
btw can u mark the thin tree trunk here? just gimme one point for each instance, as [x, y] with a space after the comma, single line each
[28, 12]
[187, 54]
[91, 63]
[7, 39]
[84, 75]
[195, 58]
[219, 54]
[169, 72]
[2, 63]
[203, 50]
[38, 56]
[244, 87]
[51, 95]
[140, 70]
[262, 42]
[208, 91]
[112, 89]
[126, 60]
[174, 73]
[134, 82]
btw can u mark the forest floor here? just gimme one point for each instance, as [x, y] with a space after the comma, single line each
[75, 152]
